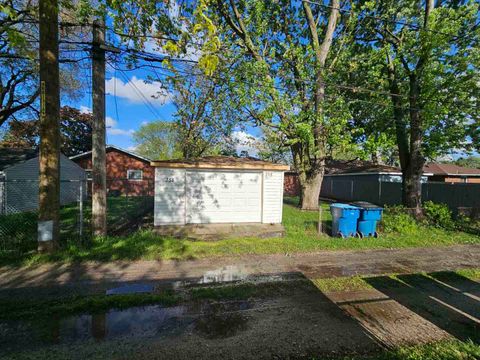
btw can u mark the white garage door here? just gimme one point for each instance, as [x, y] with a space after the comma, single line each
[223, 197]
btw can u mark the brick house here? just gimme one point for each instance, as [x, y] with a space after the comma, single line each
[451, 173]
[128, 174]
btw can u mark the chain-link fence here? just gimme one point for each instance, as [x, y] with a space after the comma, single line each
[129, 205]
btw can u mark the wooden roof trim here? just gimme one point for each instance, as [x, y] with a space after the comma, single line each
[206, 165]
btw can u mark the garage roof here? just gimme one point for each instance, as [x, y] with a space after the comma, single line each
[221, 162]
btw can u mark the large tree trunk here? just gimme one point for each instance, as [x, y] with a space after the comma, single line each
[310, 186]
[412, 188]
[414, 171]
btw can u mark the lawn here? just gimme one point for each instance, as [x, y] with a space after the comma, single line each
[396, 231]
[18, 232]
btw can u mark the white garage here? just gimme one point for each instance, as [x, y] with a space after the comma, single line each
[218, 190]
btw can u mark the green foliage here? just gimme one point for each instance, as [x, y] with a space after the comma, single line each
[397, 220]
[75, 132]
[468, 162]
[438, 215]
[158, 140]
[444, 56]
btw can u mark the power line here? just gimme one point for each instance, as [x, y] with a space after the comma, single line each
[309, 82]
[146, 101]
[378, 18]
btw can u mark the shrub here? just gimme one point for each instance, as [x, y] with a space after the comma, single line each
[438, 215]
[397, 220]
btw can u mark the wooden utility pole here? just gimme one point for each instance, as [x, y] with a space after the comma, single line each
[99, 173]
[49, 174]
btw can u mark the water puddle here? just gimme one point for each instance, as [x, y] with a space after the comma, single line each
[225, 274]
[207, 320]
[131, 289]
[149, 321]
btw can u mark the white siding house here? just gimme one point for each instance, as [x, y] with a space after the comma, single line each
[218, 190]
[19, 181]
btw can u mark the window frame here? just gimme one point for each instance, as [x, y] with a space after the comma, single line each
[129, 171]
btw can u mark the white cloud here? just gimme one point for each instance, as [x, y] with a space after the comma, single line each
[246, 142]
[131, 148]
[85, 109]
[117, 131]
[137, 91]
[110, 123]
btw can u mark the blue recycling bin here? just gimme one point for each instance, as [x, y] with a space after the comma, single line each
[370, 214]
[344, 219]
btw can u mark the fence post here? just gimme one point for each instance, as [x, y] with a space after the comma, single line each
[80, 208]
[380, 192]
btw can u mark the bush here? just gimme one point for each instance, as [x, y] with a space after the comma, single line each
[438, 215]
[397, 220]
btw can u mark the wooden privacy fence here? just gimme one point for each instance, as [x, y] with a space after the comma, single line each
[390, 193]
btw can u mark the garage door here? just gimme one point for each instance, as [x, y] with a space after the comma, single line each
[223, 197]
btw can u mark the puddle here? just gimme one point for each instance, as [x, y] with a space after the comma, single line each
[207, 320]
[225, 274]
[149, 321]
[131, 289]
[135, 322]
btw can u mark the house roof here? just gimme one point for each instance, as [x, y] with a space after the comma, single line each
[221, 162]
[450, 169]
[13, 156]
[110, 148]
[340, 167]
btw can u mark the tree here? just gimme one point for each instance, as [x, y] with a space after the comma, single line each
[468, 162]
[283, 53]
[75, 132]
[19, 67]
[430, 72]
[158, 140]
[18, 71]
[204, 114]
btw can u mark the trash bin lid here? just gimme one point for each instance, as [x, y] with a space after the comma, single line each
[366, 205]
[344, 206]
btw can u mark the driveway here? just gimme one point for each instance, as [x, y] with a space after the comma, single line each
[297, 320]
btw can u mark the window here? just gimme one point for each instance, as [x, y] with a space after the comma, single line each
[89, 174]
[134, 174]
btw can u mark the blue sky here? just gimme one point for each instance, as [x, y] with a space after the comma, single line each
[127, 110]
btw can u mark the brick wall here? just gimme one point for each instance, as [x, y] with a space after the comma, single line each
[118, 163]
[455, 179]
[291, 185]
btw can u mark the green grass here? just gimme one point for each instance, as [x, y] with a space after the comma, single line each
[443, 350]
[301, 236]
[71, 305]
[353, 283]
[18, 232]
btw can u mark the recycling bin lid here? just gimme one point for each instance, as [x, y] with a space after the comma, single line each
[344, 206]
[366, 205]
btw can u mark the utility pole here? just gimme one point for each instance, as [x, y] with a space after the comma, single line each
[49, 161]
[99, 173]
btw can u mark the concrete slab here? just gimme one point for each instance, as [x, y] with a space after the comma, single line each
[221, 231]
